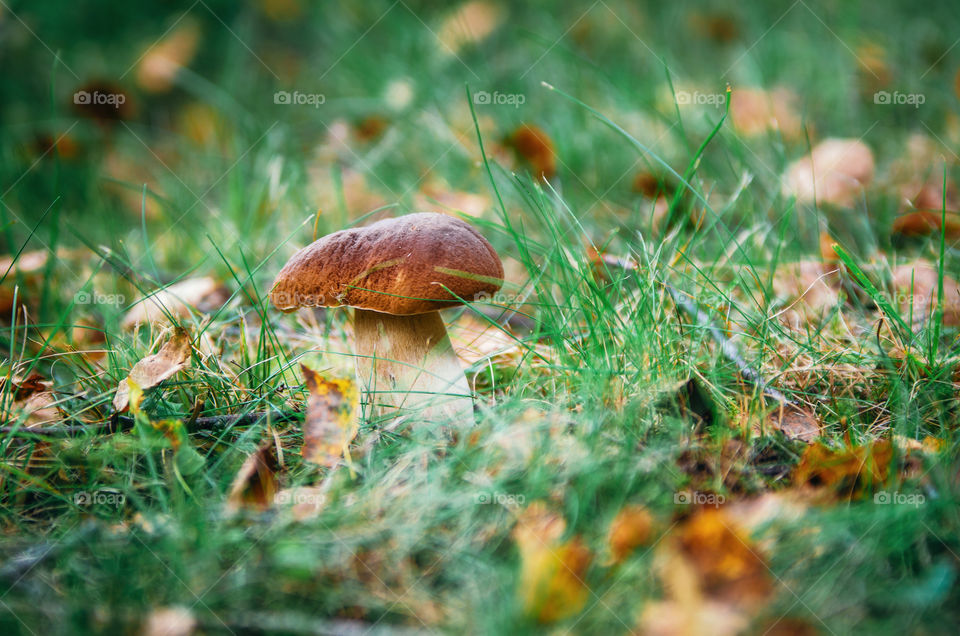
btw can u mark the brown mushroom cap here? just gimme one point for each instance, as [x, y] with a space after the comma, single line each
[396, 266]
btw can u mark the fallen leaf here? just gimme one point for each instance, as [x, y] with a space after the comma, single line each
[202, 293]
[926, 223]
[811, 287]
[331, 423]
[795, 422]
[170, 621]
[630, 529]
[159, 64]
[39, 409]
[26, 263]
[370, 128]
[536, 147]
[173, 356]
[256, 485]
[470, 23]
[718, 26]
[836, 171]
[846, 471]
[754, 111]
[728, 565]
[915, 293]
[551, 585]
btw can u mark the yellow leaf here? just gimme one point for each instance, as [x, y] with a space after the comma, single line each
[330, 424]
[551, 585]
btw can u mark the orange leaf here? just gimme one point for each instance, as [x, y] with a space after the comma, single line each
[846, 471]
[630, 529]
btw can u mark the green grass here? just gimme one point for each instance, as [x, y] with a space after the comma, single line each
[610, 396]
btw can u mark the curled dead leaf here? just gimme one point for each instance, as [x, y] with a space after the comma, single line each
[331, 421]
[173, 356]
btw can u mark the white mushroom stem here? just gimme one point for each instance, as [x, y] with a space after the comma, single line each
[407, 363]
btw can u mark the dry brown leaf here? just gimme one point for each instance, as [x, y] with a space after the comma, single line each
[754, 111]
[796, 423]
[630, 529]
[470, 23]
[173, 356]
[331, 421]
[836, 171]
[39, 410]
[551, 585]
[170, 621]
[915, 293]
[536, 147]
[256, 485]
[159, 64]
[33, 399]
[846, 471]
[927, 222]
[27, 263]
[202, 293]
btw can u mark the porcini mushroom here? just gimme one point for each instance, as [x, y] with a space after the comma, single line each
[397, 274]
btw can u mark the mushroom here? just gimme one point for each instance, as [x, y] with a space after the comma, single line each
[397, 274]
